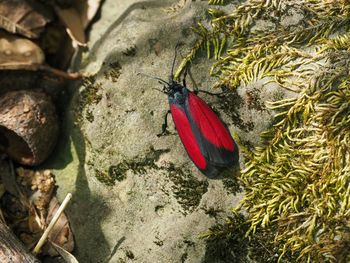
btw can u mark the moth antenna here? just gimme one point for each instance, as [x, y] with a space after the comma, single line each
[162, 91]
[162, 81]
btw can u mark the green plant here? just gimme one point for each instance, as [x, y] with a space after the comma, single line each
[298, 180]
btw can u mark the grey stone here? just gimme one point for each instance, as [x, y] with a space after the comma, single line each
[156, 207]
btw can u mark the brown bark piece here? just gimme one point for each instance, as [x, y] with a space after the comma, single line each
[28, 126]
[11, 249]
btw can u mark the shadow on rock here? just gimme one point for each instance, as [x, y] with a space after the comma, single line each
[86, 209]
[226, 242]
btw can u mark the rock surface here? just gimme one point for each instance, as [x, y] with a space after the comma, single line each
[137, 197]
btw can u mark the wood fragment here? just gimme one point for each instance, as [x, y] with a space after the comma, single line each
[11, 249]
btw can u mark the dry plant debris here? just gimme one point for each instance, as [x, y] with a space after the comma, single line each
[77, 16]
[29, 205]
[35, 51]
[27, 18]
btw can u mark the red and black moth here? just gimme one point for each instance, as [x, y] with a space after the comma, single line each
[205, 137]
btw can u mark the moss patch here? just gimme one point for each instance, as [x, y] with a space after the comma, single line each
[118, 172]
[89, 116]
[232, 185]
[104, 177]
[212, 212]
[113, 72]
[297, 179]
[130, 52]
[226, 243]
[88, 96]
[187, 189]
[230, 104]
[253, 100]
[129, 254]
[138, 165]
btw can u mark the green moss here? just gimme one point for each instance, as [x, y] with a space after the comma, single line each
[88, 96]
[118, 172]
[297, 180]
[230, 104]
[158, 242]
[89, 116]
[216, 2]
[114, 71]
[227, 242]
[189, 243]
[138, 165]
[130, 52]
[231, 185]
[254, 101]
[212, 212]
[187, 189]
[129, 254]
[247, 145]
[104, 177]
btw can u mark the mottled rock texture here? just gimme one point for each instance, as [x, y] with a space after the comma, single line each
[137, 197]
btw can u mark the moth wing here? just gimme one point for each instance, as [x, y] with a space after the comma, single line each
[214, 139]
[187, 136]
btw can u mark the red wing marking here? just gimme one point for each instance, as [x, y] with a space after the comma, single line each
[185, 132]
[209, 124]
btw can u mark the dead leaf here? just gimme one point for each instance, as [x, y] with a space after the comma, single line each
[34, 221]
[2, 219]
[68, 257]
[16, 52]
[31, 211]
[72, 20]
[87, 10]
[64, 3]
[35, 227]
[57, 46]
[78, 17]
[61, 233]
[27, 18]
[2, 190]
[8, 177]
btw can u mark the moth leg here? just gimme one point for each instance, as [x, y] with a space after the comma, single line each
[196, 90]
[195, 86]
[185, 75]
[164, 125]
[220, 94]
